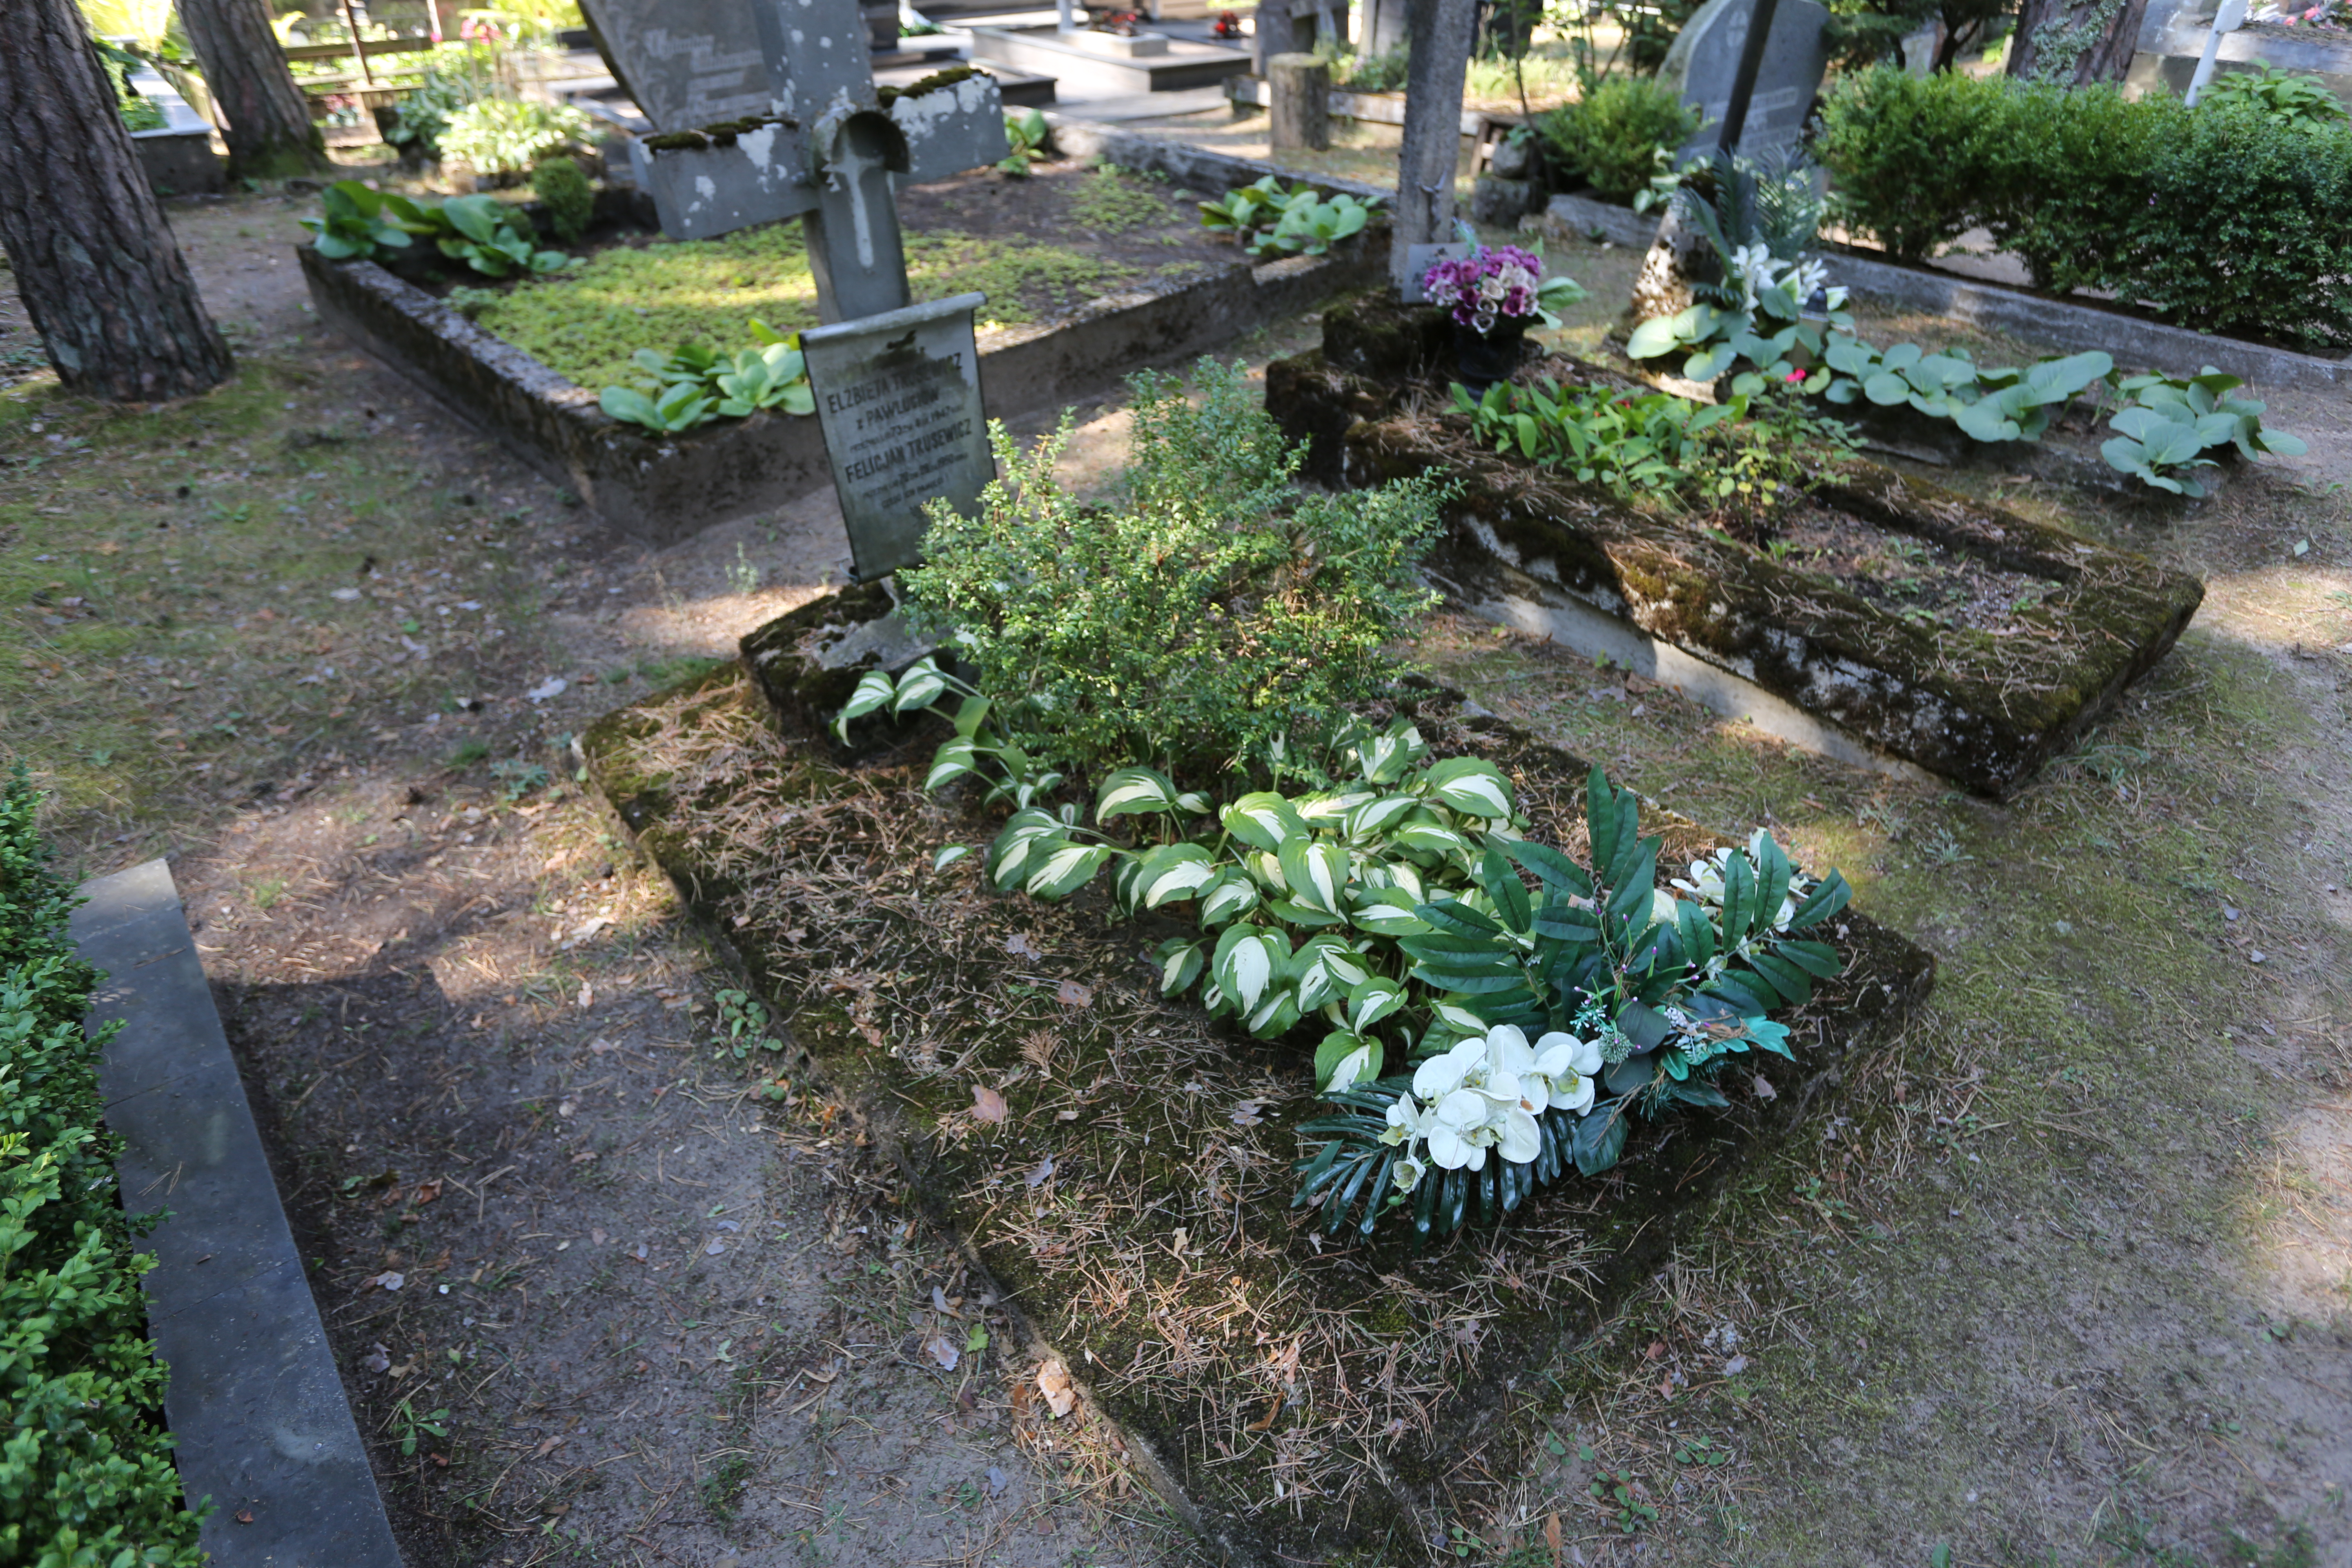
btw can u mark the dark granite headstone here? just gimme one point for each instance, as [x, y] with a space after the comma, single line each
[1705, 60]
[899, 395]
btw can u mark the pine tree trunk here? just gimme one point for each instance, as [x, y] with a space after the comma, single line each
[2075, 42]
[269, 132]
[95, 262]
[1439, 34]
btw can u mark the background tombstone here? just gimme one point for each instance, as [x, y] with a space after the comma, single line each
[1703, 63]
[1294, 27]
[898, 398]
[684, 62]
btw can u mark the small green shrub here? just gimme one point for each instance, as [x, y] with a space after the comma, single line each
[571, 200]
[506, 136]
[1213, 614]
[1881, 129]
[1612, 135]
[86, 1475]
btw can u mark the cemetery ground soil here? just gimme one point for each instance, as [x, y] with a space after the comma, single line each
[2061, 1277]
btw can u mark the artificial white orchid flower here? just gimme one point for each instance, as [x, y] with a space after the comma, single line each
[1408, 1171]
[1409, 1121]
[1561, 1075]
[1470, 1121]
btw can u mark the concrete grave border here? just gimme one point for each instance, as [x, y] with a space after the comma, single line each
[264, 1428]
[2066, 325]
[664, 489]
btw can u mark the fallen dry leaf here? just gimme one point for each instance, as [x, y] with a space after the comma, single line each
[1070, 994]
[1245, 1114]
[1018, 946]
[388, 1279]
[245, 1516]
[942, 1350]
[427, 1192]
[1551, 1539]
[1266, 1420]
[1764, 1089]
[546, 1446]
[1053, 1383]
[987, 1105]
[1037, 1173]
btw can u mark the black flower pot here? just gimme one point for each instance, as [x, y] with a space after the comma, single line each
[1482, 359]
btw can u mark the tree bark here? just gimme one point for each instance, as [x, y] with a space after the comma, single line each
[268, 122]
[2075, 42]
[95, 262]
[1439, 33]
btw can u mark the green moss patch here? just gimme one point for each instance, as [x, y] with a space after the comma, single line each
[1123, 1167]
[1037, 249]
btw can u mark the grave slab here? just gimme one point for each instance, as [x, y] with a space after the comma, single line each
[1083, 70]
[1292, 1399]
[664, 489]
[1985, 705]
[263, 1426]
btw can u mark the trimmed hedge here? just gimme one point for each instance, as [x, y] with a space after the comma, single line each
[86, 1475]
[2219, 219]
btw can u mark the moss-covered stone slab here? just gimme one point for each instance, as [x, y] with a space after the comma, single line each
[1983, 705]
[1120, 1168]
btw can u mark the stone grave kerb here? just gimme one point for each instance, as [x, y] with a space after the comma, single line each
[831, 152]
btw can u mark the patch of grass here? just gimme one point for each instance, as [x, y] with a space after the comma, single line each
[469, 753]
[1112, 200]
[586, 322]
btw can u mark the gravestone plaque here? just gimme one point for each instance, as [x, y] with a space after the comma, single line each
[684, 62]
[898, 398]
[1705, 58]
[1420, 259]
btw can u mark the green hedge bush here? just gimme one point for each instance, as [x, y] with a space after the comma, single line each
[86, 1475]
[1612, 134]
[2223, 218]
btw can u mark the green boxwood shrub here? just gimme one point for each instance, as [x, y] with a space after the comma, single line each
[2224, 218]
[1611, 135]
[86, 1475]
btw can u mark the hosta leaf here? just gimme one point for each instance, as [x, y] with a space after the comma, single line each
[1470, 786]
[1317, 874]
[1128, 792]
[1180, 963]
[949, 856]
[953, 760]
[1067, 868]
[1376, 998]
[1344, 1059]
[1245, 963]
[1174, 871]
[1263, 820]
[874, 687]
[1227, 897]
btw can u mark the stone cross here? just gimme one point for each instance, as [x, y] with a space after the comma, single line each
[830, 151]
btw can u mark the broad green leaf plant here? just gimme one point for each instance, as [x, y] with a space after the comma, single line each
[356, 224]
[693, 385]
[1270, 220]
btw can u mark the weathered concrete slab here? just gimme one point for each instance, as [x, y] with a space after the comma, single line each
[1985, 708]
[264, 1428]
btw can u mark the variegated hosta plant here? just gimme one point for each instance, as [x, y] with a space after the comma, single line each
[1395, 909]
